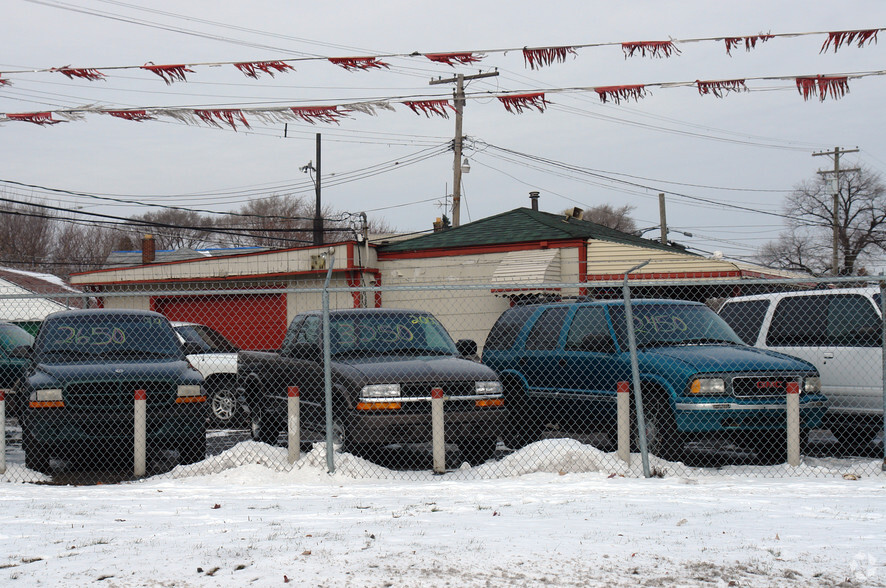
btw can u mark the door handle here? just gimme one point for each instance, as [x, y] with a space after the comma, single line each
[829, 355]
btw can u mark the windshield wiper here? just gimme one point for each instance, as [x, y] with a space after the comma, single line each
[419, 351]
[710, 341]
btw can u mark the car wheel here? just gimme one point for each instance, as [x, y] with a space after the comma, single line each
[771, 447]
[524, 425]
[264, 429]
[192, 450]
[223, 404]
[853, 438]
[662, 438]
[36, 454]
[478, 450]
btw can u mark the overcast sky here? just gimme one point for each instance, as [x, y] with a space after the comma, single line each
[714, 157]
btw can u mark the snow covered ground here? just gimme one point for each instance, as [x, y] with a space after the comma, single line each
[555, 513]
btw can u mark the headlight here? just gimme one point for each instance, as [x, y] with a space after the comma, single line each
[812, 385]
[490, 387]
[381, 391]
[47, 395]
[708, 387]
[190, 390]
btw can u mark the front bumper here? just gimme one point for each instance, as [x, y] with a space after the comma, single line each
[730, 415]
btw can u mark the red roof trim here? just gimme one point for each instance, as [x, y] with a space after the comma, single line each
[318, 273]
[480, 249]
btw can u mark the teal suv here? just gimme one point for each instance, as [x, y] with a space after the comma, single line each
[77, 399]
[560, 365]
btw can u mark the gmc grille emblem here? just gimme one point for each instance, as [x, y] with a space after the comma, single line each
[770, 385]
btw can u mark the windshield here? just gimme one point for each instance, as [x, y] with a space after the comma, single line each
[85, 337]
[209, 340]
[672, 324]
[365, 334]
[12, 336]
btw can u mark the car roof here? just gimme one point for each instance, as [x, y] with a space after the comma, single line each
[104, 311]
[368, 311]
[610, 302]
[866, 290]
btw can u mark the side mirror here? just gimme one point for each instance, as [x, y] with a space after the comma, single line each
[21, 352]
[466, 348]
[307, 351]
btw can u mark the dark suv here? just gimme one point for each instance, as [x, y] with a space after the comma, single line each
[78, 397]
[560, 364]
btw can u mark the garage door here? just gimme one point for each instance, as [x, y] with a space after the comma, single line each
[253, 321]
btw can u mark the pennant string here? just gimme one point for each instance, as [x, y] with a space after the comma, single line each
[517, 103]
[720, 88]
[464, 58]
[429, 107]
[38, 118]
[136, 115]
[619, 93]
[86, 74]
[169, 73]
[836, 86]
[658, 49]
[252, 68]
[848, 37]
[223, 115]
[749, 42]
[313, 114]
[537, 58]
[355, 63]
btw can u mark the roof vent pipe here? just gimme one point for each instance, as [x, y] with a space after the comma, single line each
[533, 196]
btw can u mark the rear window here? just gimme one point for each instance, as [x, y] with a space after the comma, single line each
[745, 318]
[838, 320]
[505, 330]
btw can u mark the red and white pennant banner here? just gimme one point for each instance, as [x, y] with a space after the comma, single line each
[517, 103]
[464, 58]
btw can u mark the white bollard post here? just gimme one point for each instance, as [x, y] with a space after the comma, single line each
[793, 423]
[293, 423]
[624, 421]
[140, 447]
[2, 431]
[438, 435]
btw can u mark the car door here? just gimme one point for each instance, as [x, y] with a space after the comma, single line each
[590, 368]
[840, 334]
[540, 360]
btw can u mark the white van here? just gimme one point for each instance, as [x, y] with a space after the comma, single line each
[840, 332]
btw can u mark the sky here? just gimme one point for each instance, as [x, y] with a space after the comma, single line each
[725, 164]
[574, 519]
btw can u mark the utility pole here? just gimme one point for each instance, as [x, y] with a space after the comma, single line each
[318, 214]
[835, 217]
[663, 217]
[459, 103]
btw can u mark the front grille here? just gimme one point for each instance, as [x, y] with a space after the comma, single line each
[423, 389]
[116, 395]
[775, 386]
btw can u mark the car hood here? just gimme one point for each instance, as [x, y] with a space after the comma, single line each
[416, 369]
[733, 358]
[97, 372]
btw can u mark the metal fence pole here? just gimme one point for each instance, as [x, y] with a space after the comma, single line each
[2, 431]
[624, 421]
[635, 372]
[793, 423]
[293, 420]
[438, 435]
[327, 364]
[140, 447]
[883, 372]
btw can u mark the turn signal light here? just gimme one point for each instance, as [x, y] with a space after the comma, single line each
[490, 402]
[378, 405]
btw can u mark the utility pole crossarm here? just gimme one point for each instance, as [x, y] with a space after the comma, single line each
[459, 103]
[835, 218]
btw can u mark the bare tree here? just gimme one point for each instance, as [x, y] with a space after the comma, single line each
[618, 218]
[807, 242]
[174, 228]
[26, 234]
[80, 247]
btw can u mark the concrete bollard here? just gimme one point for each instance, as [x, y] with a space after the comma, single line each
[293, 428]
[793, 423]
[2, 431]
[624, 421]
[141, 430]
[438, 436]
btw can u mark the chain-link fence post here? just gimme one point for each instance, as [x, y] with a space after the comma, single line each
[327, 364]
[883, 372]
[2, 431]
[624, 421]
[293, 428]
[635, 371]
[140, 441]
[793, 423]
[438, 438]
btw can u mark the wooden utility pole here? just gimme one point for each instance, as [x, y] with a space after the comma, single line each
[663, 217]
[835, 217]
[318, 213]
[459, 103]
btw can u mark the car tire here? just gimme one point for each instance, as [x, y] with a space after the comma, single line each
[192, 450]
[477, 450]
[853, 438]
[524, 425]
[662, 438]
[224, 406]
[265, 429]
[36, 454]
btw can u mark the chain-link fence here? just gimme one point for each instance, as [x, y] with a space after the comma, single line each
[743, 377]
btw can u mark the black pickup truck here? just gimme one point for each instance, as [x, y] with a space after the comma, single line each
[77, 400]
[384, 364]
